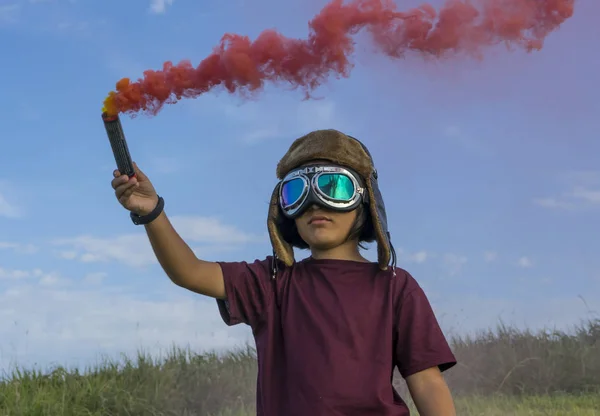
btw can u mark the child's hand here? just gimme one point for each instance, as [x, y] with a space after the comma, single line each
[135, 194]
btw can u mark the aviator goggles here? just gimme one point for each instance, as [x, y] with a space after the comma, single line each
[331, 187]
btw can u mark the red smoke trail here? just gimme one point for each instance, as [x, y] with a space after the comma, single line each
[239, 63]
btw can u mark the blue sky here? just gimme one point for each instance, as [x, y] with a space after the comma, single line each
[489, 170]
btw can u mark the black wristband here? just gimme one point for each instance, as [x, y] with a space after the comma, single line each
[147, 219]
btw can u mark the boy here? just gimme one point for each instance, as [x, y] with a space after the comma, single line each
[330, 329]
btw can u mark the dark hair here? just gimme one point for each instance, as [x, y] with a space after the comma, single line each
[362, 229]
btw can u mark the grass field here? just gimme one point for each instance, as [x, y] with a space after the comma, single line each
[501, 372]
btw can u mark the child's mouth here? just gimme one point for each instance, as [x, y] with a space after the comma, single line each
[318, 220]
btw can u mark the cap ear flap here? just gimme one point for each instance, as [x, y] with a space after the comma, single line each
[283, 250]
[379, 218]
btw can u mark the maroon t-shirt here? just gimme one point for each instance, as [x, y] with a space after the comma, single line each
[330, 332]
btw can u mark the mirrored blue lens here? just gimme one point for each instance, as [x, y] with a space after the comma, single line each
[291, 191]
[336, 186]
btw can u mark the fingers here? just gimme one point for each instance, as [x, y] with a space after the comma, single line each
[124, 190]
[119, 180]
[136, 169]
[138, 172]
[123, 185]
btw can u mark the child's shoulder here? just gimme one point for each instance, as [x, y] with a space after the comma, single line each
[404, 283]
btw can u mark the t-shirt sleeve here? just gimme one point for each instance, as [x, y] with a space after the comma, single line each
[248, 290]
[420, 342]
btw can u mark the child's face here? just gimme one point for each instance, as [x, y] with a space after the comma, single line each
[323, 229]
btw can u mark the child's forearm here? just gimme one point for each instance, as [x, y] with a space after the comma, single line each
[431, 394]
[180, 263]
[436, 401]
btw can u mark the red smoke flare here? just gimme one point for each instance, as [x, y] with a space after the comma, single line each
[238, 63]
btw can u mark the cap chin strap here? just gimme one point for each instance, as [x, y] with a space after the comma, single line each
[274, 268]
[393, 252]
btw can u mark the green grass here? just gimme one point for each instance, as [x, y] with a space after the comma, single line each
[555, 405]
[502, 372]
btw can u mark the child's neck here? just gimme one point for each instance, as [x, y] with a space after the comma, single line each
[348, 251]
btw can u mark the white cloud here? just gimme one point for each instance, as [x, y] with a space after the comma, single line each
[453, 132]
[472, 312]
[268, 119]
[121, 64]
[584, 192]
[490, 256]
[591, 196]
[210, 230]
[135, 250]
[454, 263]
[159, 6]
[52, 279]
[584, 177]
[18, 248]
[578, 198]
[8, 209]
[74, 325]
[261, 134]
[68, 254]
[9, 13]
[13, 274]
[164, 164]
[418, 257]
[464, 139]
[75, 27]
[95, 278]
[555, 203]
[35, 276]
[308, 115]
[525, 262]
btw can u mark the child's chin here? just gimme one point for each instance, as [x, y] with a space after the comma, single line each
[324, 243]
